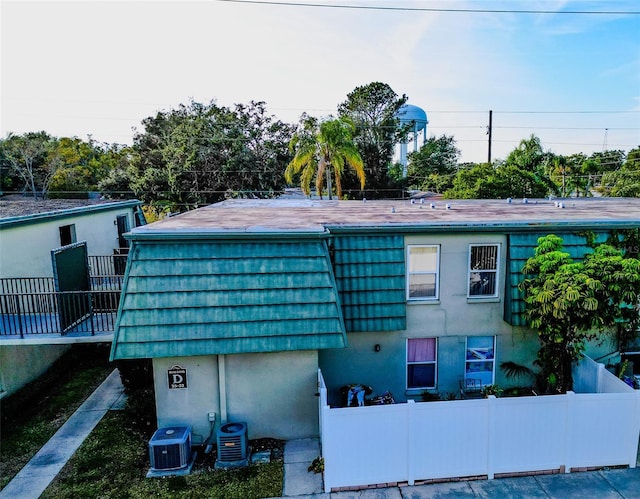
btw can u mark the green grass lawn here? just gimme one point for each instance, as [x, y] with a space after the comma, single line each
[31, 416]
[114, 460]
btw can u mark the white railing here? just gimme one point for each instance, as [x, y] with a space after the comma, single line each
[484, 437]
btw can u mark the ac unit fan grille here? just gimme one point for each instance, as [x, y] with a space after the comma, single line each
[233, 443]
[169, 457]
[231, 449]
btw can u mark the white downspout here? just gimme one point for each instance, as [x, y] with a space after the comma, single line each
[222, 388]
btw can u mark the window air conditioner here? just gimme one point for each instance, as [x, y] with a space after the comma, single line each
[170, 448]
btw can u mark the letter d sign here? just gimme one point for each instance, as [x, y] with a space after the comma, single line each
[177, 377]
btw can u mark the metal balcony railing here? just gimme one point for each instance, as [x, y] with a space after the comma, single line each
[65, 313]
[107, 265]
[31, 305]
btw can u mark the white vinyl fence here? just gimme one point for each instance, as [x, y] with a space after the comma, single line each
[482, 437]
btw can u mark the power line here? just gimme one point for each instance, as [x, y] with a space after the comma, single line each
[568, 112]
[435, 9]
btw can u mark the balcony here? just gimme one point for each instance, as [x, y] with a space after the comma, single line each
[31, 308]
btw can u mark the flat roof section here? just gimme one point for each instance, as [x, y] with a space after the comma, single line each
[15, 205]
[290, 216]
[18, 210]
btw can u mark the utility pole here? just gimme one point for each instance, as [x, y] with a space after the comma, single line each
[489, 131]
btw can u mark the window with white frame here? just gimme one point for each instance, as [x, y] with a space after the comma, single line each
[480, 359]
[483, 270]
[422, 274]
[421, 363]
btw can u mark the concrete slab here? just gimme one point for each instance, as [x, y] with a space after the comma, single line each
[625, 481]
[577, 485]
[261, 457]
[301, 450]
[313, 496]
[120, 403]
[299, 481]
[181, 472]
[23, 487]
[453, 490]
[389, 493]
[524, 487]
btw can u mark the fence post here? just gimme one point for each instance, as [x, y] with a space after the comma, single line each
[19, 315]
[90, 299]
[411, 424]
[635, 420]
[569, 430]
[600, 375]
[491, 400]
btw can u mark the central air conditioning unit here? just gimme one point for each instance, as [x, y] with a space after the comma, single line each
[233, 445]
[170, 448]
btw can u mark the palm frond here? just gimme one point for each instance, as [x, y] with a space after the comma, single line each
[513, 370]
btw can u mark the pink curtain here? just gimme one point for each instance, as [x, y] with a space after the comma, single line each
[421, 349]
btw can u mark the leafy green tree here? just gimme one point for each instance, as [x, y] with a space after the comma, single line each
[323, 149]
[567, 174]
[32, 158]
[484, 181]
[373, 108]
[82, 166]
[529, 155]
[522, 174]
[570, 303]
[433, 167]
[625, 181]
[467, 180]
[581, 175]
[199, 154]
[633, 160]
[605, 161]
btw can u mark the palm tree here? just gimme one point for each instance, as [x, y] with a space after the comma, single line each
[322, 150]
[528, 155]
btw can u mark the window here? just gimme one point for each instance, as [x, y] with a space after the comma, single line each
[480, 359]
[67, 234]
[424, 262]
[483, 270]
[421, 363]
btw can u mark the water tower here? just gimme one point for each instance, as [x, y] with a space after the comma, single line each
[416, 118]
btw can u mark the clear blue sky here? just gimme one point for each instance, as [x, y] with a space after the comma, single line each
[77, 68]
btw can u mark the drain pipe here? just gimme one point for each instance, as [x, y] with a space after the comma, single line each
[222, 387]
[222, 401]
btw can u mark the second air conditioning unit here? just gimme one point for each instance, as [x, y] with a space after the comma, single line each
[233, 445]
[170, 448]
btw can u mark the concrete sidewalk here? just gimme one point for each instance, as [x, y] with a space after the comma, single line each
[38, 473]
[299, 483]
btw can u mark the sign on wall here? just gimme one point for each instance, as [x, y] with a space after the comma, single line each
[177, 377]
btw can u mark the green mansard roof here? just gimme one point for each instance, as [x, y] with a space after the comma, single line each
[202, 297]
[258, 275]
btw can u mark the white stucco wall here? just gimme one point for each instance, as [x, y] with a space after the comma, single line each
[20, 364]
[25, 249]
[451, 319]
[188, 406]
[274, 393]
